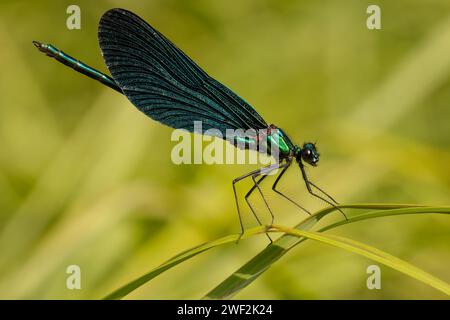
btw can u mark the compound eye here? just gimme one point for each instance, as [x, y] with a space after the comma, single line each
[307, 154]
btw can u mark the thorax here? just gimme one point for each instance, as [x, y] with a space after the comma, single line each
[268, 141]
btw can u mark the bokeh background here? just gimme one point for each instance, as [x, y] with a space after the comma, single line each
[86, 179]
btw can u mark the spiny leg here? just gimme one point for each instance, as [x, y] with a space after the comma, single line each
[285, 167]
[308, 186]
[254, 172]
[264, 198]
[251, 207]
[326, 194]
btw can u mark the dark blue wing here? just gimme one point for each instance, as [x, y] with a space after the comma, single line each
[163, 82]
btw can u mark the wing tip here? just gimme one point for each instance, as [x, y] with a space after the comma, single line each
[115, 13]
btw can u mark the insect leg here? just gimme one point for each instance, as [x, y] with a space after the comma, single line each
[250, 205]
[326, 194]
[285, 167]
[257, 172]
[308, 186]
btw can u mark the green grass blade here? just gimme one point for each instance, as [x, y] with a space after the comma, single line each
[371, 253]
[262, 261]
[387, 213]
[246, 274]
[133, 285]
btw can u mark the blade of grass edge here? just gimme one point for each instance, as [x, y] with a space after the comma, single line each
[309, 222]
[371, 253]
[246, 274]
[185, 255]
[133, 285]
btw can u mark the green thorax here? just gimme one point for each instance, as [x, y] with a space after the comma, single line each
[278, 139]
[273, 139]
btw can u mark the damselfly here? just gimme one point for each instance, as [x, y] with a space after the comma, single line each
[166, 85]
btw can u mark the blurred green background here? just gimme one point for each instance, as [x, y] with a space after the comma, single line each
[86, 179]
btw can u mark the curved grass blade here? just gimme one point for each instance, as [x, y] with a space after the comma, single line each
[131, 286]
[307, 223]
[371, 253]
[246, 274]
[387, 213]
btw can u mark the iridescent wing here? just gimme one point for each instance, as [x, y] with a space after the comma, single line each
[164, 83]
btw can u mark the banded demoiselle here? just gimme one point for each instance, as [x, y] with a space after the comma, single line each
[166, 85]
